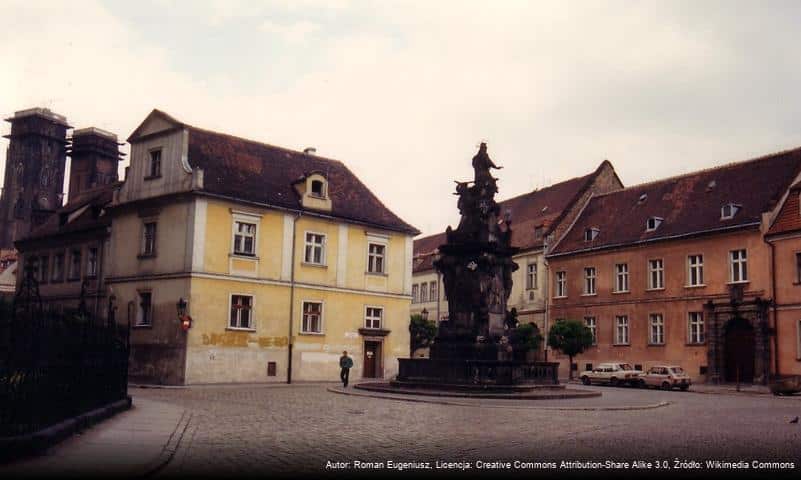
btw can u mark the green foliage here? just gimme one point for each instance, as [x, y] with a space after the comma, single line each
[527, 336]
[571, 337]
[421, 332]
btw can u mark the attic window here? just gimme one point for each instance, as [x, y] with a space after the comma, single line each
[538, 231]
[318, 188]
[729, 210]
[643, 198]
[653, 223]
[590, 234]
[711, 185]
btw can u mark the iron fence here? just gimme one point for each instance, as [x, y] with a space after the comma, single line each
[56, 365]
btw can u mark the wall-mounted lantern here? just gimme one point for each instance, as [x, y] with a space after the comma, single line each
[186, 320]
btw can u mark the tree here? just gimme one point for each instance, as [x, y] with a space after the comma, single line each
[421, 332]
[571, 337]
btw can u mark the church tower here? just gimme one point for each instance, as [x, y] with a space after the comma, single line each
[94, 155]
[34, 173]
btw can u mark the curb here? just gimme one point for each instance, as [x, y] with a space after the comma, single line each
[230, 385]
[14, 448]
[437, 401]
[711, 391]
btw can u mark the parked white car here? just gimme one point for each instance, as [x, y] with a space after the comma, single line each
[612, 373]
[666, 377]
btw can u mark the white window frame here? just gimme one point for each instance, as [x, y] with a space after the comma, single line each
[733, 209]
[738, 265]
[798, 338]
[621, 278]
[91, 262]
[696, 336]
[590, 276]
[237, 217]
[592, 323]
[370, 319]
[656, 320]
[309, 248]
[653, 223]
[416, 293]
[322, 317]
[155, 237]
[591, 234]
[622, 333]
[424, 292]
[384, 257]
[433, 291]
[252, 322]
[150, 162]
[561, 284]
[656, 270]
[698, 267]
[531, 276]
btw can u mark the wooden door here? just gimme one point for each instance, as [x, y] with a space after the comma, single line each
[740, 353]
[372, 359]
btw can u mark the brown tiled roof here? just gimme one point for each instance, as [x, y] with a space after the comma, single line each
[689, 204]
[789, 218]
[539, 208]
[89, 219]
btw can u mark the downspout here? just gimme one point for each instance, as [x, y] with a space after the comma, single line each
[775, 308]
[100, 284]
[545, 296]
[291, 299]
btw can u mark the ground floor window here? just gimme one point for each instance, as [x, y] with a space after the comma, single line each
[696, 327]
[241, 312]
[144, 317]
[593, 326]
[312, 317]
[657, 329]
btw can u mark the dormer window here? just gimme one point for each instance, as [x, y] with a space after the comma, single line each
[729, 210]
[590, 234]
[653, 223]
[318, 188]
[538, 231]
[155, 164]
[643, 198]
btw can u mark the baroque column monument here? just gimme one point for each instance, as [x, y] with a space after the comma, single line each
[472, 349]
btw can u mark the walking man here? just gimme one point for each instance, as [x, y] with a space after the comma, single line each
[345, 363]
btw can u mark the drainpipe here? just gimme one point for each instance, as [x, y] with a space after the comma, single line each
[291, 299]
[100, 285]
[545, 299]
[439, 295]
[775, 308]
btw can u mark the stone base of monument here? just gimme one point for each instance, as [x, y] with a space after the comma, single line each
[522, 392]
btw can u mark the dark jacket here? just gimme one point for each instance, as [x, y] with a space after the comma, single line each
[345, 362]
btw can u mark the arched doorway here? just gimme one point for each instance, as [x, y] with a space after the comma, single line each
[740, 353]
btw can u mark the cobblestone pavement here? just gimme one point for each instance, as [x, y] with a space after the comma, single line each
[253, 429]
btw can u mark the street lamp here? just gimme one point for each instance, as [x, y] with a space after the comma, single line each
[424, 314]
[186, 320]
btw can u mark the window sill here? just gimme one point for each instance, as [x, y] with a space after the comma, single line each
[143, 256]
[152, 177]
[315, 265]
[240, 329]
[312, 334]
[142, 326]
[559, 298]
[589, 294]
[620, 292]
[378, 274]
[621, 344]
[660, 289]
[245, 256]
[700, 285]
[743, 282]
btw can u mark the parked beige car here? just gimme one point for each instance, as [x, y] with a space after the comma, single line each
[612, 373]
[666, 377]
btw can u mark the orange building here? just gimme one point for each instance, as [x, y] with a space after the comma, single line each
[678, 271]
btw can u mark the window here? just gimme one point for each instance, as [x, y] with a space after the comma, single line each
[375, 257]
[531, 276]
[695, 275]
[657, 329]
[415, 293]
[798, 267]
[432, 291]
[44, 262]
[621, 330]
[538, 232]
[739, 266]
[593, 326]
[561, 284]
[591, 234]
[798, 337]
[312, 317]
[149, 239]
[155, 163]
[656, 274]
[696, 327]
[622, 277]
[317, 188]
[241, 312]
[145, 316]
[315, 249]
[589, 281]
[75, 265]
[372, 317]
[423, 292]
[653, 223]
[729, 210]
[244, 238]
[91, 262]
[58, 267]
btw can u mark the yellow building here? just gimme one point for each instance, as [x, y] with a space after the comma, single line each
[284, 260]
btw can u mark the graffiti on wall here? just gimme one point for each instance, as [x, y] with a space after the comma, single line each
[242, 339]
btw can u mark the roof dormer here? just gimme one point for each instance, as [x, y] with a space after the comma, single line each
[653, 223]
[313, 189]
[729, 210]
[590, 234]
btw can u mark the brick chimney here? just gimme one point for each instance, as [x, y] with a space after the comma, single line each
[95, 155]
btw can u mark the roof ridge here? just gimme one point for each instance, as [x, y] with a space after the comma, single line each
[703, 170]
[553, 185]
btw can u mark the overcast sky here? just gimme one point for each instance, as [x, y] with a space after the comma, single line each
[403, 92]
